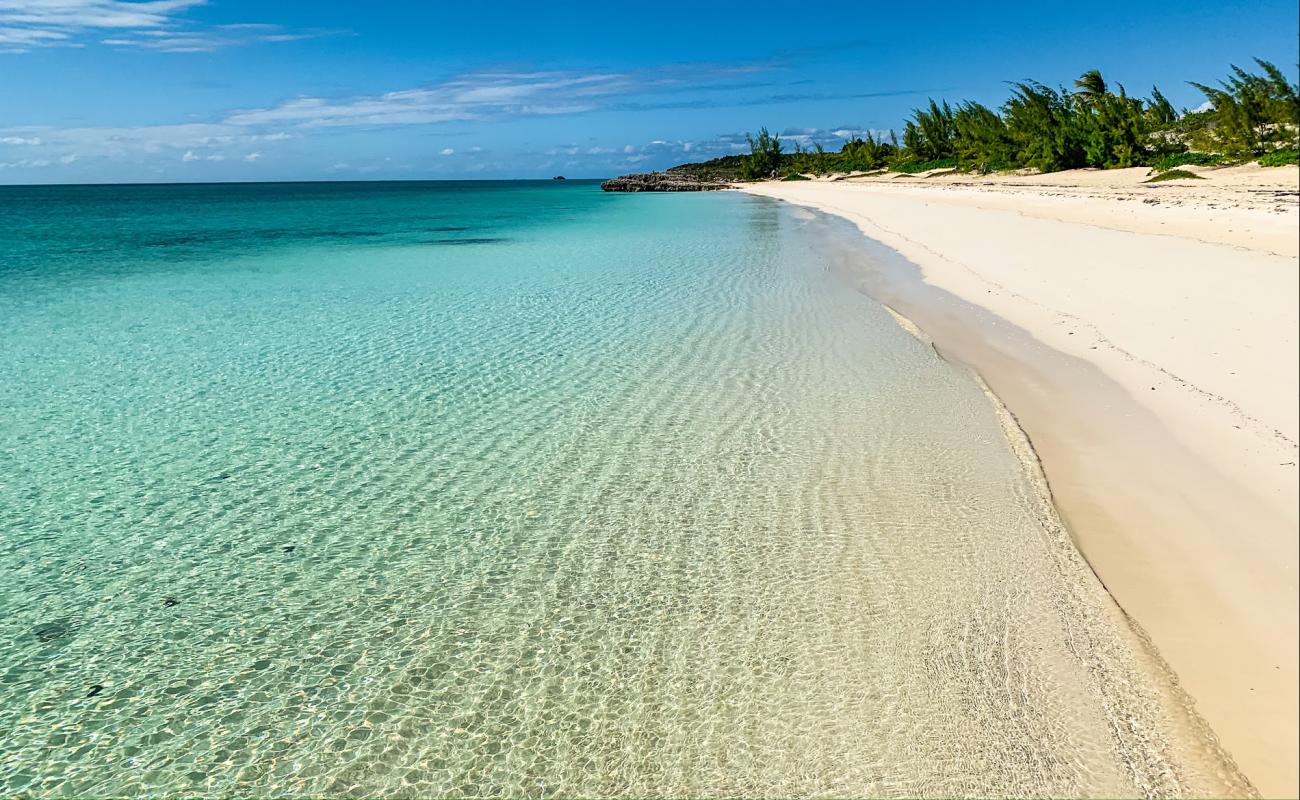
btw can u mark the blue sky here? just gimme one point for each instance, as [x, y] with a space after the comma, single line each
[214, 90]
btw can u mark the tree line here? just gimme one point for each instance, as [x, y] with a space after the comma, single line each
[1248, 116]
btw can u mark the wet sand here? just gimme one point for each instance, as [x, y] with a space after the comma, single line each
[1144, 338]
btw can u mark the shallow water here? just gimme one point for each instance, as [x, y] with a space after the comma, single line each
[519, 489]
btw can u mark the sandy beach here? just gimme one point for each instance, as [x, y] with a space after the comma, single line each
[1145, 338]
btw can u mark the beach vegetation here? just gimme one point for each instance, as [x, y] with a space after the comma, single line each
[1192, 157]
[1174, 175]
[1280, 158]
[1160, 111]
[1248, 116]
[913, 167]
[859, 154]
[981, 141]
[865, 154]
[1042, 128]
[764, 155]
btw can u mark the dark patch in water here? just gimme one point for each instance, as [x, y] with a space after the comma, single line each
[52, 631]
[468, 240]
[289, 548]
[168, 602]
[266, 234]
[94, 690]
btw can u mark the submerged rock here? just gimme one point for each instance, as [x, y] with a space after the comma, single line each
[51, 631]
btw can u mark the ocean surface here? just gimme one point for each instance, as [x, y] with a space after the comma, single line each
[506, 489]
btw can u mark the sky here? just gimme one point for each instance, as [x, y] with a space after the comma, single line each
[106, 91]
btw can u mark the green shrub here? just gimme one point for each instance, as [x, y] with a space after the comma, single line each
[864, 155]
[981, 140]
[764, 156]
[1249, 112]
[1280, 158]
[913, 167]
[1174, 175]
[1166, 163]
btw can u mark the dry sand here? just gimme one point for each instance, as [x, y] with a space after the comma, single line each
[1145, 337]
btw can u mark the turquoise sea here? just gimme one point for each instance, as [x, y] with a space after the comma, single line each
[521, 489]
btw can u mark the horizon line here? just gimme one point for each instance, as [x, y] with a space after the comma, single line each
[256, 183]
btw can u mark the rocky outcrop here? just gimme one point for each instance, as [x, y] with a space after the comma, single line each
[661, 182]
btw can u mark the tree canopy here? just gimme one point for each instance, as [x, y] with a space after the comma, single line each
[1094, 124]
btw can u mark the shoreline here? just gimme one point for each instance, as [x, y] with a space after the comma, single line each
[1194, 745]
[1171, 476]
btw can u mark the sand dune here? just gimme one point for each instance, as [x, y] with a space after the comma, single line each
[1145, 336]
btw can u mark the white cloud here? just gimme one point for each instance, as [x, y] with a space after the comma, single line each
[205, 41]
[200, 141]
[479, 96]
[20, 39]
[43, 23]
[149, 24]
[25, 162]
[80, 14]
[447, 151]
[246, 135]
[190, 155]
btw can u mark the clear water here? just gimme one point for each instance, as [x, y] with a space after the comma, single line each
[518, 489]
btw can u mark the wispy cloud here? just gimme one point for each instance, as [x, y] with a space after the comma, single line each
[84, 14]
[26, 163]
[451, 106]
[211, 142]
[206, 41]
[149, 24]
[481, 95]
[190, 155]
[489, 95]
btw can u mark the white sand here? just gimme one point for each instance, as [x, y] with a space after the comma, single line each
[1145, 336]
